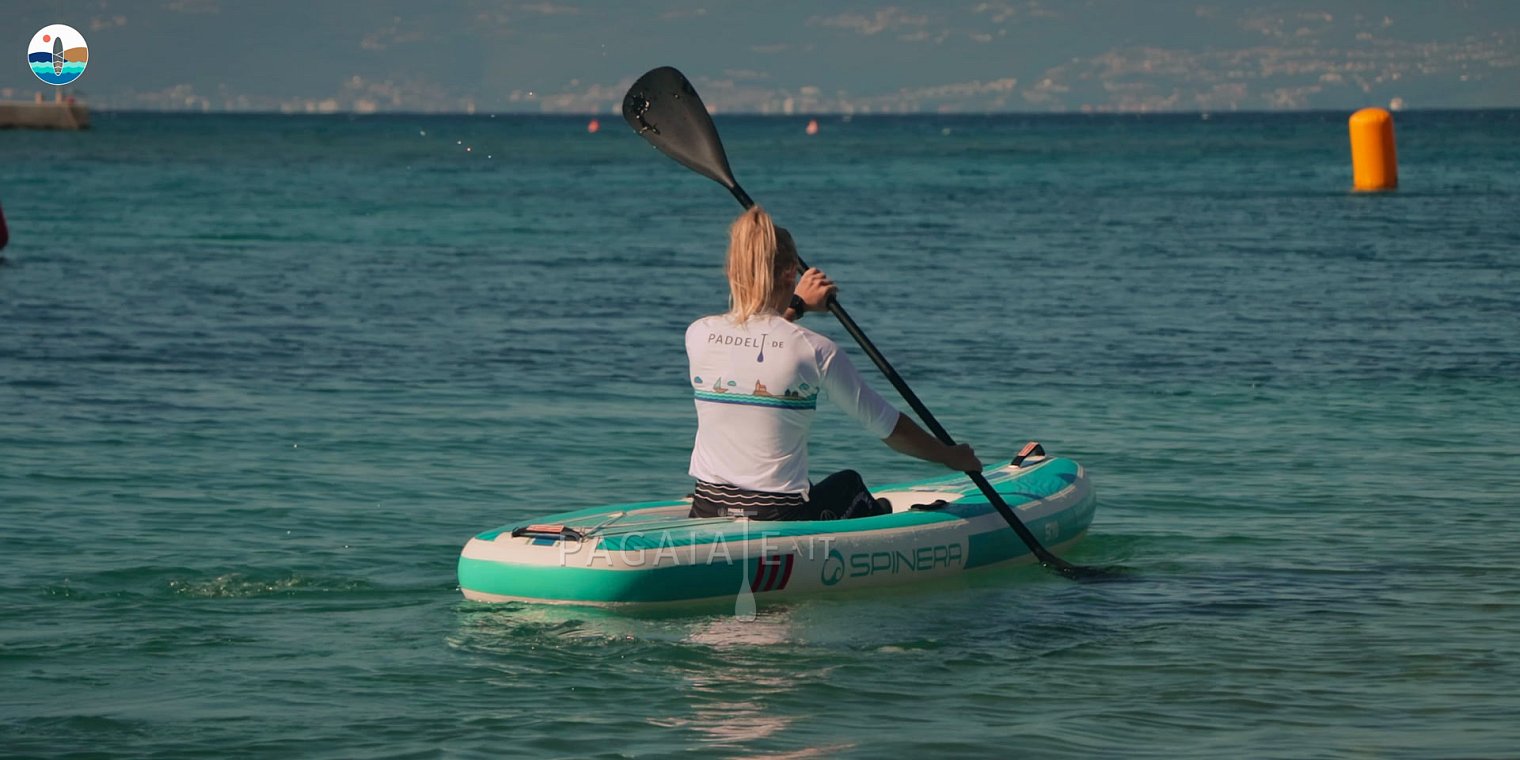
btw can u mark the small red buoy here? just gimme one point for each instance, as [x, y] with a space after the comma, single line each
[812, 127]
[593, 126]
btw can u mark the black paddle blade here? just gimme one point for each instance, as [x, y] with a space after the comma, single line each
[665, 109]
[1089, 574]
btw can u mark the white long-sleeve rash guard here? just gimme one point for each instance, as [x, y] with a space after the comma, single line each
[757, 387]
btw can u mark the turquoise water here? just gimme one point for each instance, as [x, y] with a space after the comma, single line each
[261, 377]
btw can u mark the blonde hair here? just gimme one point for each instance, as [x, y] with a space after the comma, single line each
[758, 253]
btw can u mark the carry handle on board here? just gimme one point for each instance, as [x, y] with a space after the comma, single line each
[554, 531]
[1031, 449]
[664, 109]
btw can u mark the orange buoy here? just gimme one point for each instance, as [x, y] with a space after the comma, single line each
[593, 126]
[812, 127]
[1374, 164]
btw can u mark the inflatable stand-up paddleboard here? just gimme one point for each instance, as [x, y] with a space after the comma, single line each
[653, 552]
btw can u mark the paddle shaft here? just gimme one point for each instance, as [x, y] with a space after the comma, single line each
[1040, 552]
[664, 109]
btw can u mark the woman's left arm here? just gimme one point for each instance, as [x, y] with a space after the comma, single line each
[814, 289]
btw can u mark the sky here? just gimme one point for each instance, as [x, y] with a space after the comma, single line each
[781, 56]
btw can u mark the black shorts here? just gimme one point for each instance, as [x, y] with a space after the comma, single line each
[840, 496]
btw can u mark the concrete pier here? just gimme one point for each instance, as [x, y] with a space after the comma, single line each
[44, 114]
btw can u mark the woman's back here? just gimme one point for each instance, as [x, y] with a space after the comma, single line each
[756, 386]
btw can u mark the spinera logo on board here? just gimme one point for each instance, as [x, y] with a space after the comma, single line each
[836, 568]
[833, 568]
[58, 54]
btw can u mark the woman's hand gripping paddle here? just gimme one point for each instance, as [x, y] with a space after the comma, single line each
[665, 109]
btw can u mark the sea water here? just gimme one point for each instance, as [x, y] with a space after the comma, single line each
[261, 377]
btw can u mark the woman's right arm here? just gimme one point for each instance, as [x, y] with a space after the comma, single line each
[908, 438]
[848, 389]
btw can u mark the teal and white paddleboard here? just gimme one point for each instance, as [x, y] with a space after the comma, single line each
[651, 552]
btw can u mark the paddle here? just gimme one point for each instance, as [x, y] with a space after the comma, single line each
[665, 109]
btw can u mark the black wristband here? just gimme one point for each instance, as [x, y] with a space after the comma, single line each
[798, 305]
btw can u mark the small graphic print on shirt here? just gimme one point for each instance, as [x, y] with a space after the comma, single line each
[726, 392]
[738, 340]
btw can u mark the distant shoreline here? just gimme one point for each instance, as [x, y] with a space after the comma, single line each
[810, 115]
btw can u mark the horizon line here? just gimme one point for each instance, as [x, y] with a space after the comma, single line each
[812, 114]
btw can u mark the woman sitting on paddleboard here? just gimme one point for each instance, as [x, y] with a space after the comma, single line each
[757, 377]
